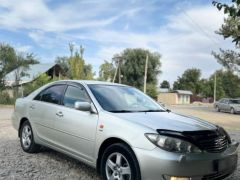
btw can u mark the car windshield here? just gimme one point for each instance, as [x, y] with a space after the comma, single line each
[114, 98]
[235, 101]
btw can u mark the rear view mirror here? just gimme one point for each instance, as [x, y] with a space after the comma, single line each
[82, 106]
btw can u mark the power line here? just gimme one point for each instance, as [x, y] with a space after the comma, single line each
[199, 28]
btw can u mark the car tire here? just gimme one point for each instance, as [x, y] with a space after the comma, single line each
[119, 161]
[217, 108]
[27, 139]
[232, 111]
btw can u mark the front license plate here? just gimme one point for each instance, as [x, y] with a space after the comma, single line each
[225, 164]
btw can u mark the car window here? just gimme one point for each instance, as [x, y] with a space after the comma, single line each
[53, 94]
[221, 100]
[235, 101]
[74, 94]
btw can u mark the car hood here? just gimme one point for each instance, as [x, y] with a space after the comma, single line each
[168, 121]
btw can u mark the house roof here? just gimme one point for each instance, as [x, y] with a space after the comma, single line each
[32, 73]
[162, 90]
[183, 92]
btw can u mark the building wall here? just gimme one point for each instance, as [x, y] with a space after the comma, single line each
[183, 99]
[168, 98]
[174, 98]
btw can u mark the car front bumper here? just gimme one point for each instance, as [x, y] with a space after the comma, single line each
[161, 165]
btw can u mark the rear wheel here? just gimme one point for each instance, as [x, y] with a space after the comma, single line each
[119, 163]
[217, 108]
[232, 111]
[27, 139]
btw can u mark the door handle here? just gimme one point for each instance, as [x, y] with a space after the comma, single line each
[59, 114]
[32, 107]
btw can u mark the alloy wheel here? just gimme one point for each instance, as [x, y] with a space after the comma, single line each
[117, 167]
[26, 136]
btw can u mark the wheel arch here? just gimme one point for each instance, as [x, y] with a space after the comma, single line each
[106, 143]
[24, 119]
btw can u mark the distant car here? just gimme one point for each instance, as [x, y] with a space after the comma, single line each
[228, 105]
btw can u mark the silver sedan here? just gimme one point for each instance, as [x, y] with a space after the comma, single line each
[122, 133]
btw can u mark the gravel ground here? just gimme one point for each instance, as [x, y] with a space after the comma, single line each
[49, 164]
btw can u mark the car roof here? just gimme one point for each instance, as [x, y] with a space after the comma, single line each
[88, 82]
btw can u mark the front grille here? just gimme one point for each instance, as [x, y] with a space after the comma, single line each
[214, 141]
[214, 145]
[217, 176]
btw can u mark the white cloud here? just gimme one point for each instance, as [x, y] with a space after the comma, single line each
[23, 48]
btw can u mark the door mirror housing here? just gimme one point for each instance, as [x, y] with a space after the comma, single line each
[83, 106]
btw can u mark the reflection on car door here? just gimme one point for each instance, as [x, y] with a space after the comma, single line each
[43, 111]
[76, 129]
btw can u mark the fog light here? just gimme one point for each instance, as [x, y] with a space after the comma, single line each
[179, 178]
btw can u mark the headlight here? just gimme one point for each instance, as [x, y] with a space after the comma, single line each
[172, 144]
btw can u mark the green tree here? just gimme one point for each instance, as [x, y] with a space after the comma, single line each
[106, 71]
[190, 80]
[7, 59]
[165, 84]
[37, 83]
[152, 90]
[74, 67]
[11, 60]
[230, 29]
[63, 62]
[227, 83]
[132, 67]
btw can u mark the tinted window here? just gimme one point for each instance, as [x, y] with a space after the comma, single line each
[38, 97]
[53, 94]
[74, 94]
[235, 101]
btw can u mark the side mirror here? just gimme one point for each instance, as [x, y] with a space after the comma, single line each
[82, 106]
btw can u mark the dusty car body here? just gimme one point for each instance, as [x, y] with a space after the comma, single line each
[122, 133]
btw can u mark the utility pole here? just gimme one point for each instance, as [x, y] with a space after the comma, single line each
[145, 75]
[215, 87]
[118, 69]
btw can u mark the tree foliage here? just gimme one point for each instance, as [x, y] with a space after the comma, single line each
[37, 83]
[11, 60]
[132, 67]
[106, 71]
[190, 80]
[231, 26]
[75, 67]
[228, 59]
[165, 84]
[230, 29]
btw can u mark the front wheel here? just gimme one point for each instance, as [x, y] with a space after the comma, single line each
[27, 139]
[119, 163]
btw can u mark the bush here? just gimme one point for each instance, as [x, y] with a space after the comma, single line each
[6, 99]
[152, 90]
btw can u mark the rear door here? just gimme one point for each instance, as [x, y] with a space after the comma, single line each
[43, 111]
[76, 129]
[226, 105]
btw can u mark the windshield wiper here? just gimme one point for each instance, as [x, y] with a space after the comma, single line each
[153, 110]
[122, 111]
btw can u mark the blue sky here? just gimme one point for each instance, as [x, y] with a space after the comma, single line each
[181, 31]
